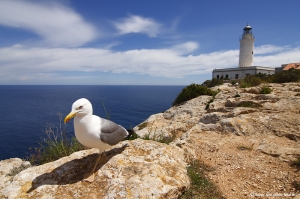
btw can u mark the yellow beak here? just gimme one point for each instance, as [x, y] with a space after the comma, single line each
[70, 116]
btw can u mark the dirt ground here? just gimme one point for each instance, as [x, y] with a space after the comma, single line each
[242, 172]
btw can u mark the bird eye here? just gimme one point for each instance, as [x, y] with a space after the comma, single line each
[80, 107]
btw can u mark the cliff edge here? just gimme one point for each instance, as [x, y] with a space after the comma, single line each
[133, 169]
[250, 139]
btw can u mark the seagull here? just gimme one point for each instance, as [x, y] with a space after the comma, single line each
[93, 131]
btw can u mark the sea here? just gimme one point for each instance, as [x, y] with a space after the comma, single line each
[27, 111]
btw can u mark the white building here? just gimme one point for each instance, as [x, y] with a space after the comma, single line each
[245, 60]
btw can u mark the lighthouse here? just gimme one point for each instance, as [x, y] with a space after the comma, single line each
[245, 66]
[246, 47]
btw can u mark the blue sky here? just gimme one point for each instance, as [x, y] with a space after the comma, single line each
[139, 42]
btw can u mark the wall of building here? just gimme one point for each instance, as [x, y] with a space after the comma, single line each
[268, 72]
[278, 69]
[239, 73]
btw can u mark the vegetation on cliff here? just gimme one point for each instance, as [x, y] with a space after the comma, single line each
[195, 90]
[291, 75]
[213, 82]
[250, 80]
[192, 91]
[57, 144]
[201, 186]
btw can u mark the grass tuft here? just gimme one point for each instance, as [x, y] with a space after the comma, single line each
[250, 80]
[142, 125]
[265, 90]
[248, 104]
[201, 186]
[133, 135]
[159, 138]
[243, 148]
[209, 102]
[15, 170]
[57, 144]
[296, 185]
[296, 163]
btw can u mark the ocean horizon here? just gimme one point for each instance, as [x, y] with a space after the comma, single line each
[26, 110]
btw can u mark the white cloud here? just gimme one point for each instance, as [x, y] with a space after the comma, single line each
[56, 24]
[137, 24]
[264, 49]
[21, 63]
[289, 55]
[186, 47]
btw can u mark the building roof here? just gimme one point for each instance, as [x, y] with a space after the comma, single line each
[244, 68]
[292, 65]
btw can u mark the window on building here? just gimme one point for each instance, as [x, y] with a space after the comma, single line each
[226, 76]
[247, 74]
[218, 76]
[236, 76]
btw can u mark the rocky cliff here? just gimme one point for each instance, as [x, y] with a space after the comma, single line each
[249, 139]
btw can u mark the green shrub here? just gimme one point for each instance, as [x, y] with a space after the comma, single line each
[281, 77]
[264, 77]
[286, 76]
[192, 91]
[265, 90]
[249, 81]
[214, 82]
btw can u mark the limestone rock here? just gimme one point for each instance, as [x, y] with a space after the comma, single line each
[253, 90]
[251, 139]
[8, 169]
[133, 169]
[284, 153]
[175, 121]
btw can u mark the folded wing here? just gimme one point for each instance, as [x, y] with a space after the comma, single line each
[112, 133]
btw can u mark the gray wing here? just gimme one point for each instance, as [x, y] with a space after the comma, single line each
[112, 133]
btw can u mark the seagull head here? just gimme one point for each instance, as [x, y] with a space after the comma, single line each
[80, 107]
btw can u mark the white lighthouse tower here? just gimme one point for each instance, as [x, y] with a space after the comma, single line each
[245, 67]
[246, 48]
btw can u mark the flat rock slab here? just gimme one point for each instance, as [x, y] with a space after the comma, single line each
[133, 169]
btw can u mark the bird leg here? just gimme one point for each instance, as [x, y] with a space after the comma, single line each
[89, 177]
